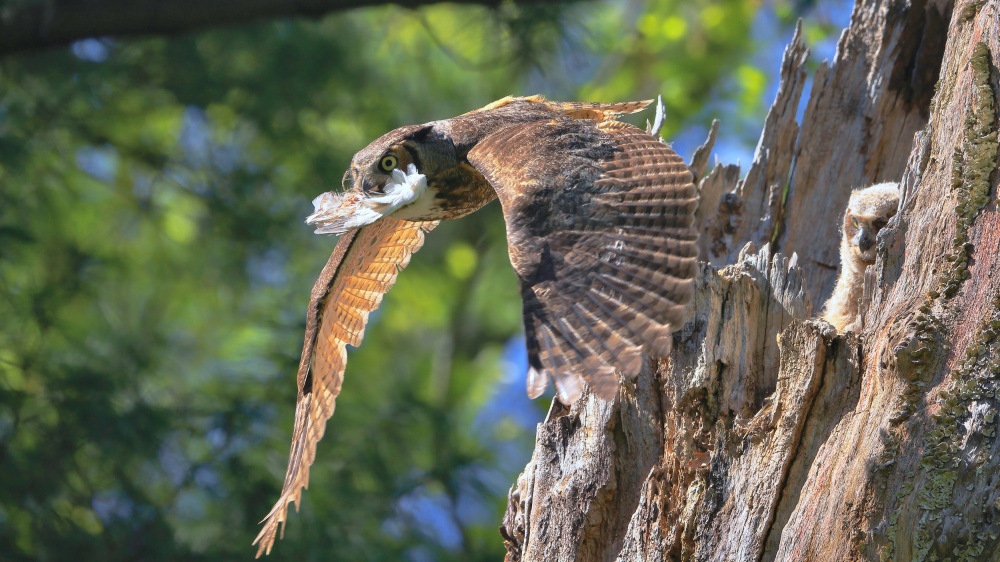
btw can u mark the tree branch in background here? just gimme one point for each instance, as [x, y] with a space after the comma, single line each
[32, 26]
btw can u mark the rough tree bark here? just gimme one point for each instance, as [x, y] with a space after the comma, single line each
[765, 435]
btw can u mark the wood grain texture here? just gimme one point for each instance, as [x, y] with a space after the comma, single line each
[362, 268]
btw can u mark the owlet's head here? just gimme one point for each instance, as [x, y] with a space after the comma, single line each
[868, 211]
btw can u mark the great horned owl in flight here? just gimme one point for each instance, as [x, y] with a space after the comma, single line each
[868, 211]
[599, 228]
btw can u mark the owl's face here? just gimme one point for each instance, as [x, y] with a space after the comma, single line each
[453, 187]
[862, 229]
[372, 167]
[868, 212]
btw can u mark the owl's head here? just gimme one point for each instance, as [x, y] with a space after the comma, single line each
[419, 145]
[868, 211]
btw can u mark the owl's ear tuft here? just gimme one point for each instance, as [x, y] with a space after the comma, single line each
[420, 133]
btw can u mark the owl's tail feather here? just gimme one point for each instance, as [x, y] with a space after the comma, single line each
[592, 332]
[614, 348]
[559, 359]
[538, 381]
[647, 314]
[563, 351]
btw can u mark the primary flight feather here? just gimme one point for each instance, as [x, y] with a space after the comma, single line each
[599, 228]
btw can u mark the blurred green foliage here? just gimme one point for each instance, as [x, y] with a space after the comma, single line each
[154, 271]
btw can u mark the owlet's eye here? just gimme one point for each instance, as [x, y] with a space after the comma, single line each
[388, 163]
[854, 223]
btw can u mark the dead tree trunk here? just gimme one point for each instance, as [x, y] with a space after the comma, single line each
[766, 436]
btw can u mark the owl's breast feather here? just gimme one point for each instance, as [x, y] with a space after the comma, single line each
[336, 213]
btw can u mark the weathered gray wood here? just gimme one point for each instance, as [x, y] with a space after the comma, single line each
[766, 436]
[752, 209]
[718, 214]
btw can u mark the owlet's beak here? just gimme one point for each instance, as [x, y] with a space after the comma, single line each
[865, 241]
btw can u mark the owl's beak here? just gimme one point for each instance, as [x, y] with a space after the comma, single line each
[865, 240]
[370, 185]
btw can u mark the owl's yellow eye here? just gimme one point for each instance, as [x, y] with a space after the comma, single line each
[388, 163]
[854, 223]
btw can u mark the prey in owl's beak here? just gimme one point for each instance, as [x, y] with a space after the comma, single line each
[336, 213]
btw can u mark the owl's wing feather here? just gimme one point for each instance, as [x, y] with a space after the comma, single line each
[574, 109]
[361, 269]
[599, 225]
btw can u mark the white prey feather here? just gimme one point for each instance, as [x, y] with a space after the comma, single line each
[336, 213]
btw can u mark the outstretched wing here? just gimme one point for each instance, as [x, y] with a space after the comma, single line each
[599, 231]
[362, 268]
[575, 109]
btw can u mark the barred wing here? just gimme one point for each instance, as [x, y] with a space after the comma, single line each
[599, 229]
[362, 268]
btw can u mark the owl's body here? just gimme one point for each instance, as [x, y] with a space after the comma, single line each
[459, 187]
[598, 216]
[868, 211]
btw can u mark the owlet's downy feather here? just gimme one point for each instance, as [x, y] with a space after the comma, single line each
[599, 227]
[868, 211]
